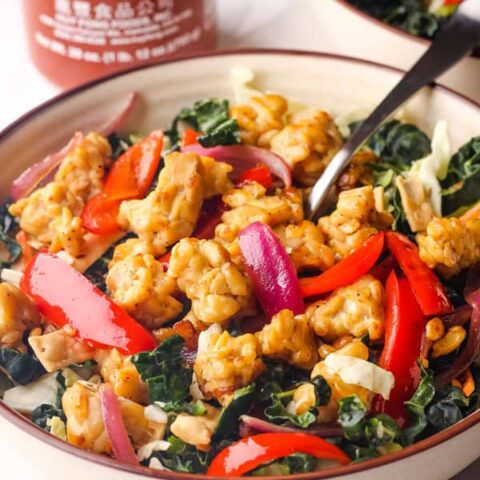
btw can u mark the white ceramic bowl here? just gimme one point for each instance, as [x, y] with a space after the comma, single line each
[353, 32]
[337, 84]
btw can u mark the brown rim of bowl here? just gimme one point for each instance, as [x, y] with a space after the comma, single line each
[391, 28]
[27, 426]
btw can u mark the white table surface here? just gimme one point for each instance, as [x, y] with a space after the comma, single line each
[252, 23]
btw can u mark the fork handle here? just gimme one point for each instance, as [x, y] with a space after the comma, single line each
[459, 37]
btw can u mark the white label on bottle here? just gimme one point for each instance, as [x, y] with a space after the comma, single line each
[92, 24]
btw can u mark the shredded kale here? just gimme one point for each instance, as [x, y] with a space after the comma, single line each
[8, 226]
[460, 186]
[229, 420]
[44, 412]
[397, 145]
[278, 412]
[364, 435]
[408, 15]
[196, 409]
[294, 463]
[210, 117]
[165, 372]
[22, 368]
[182, 457]
[433, 409]
[279, 377]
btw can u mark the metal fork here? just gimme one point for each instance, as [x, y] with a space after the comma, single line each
[458, 38]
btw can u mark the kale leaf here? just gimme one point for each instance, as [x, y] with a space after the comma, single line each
[8, 226]
[408, 15]
[397, 145]
[278, 412]
[22, 368]
[433, 409]
[165, 372]
[351, 415]
[460, 186]
[44, 412]
[229, 420]
[294, 463]
[210, 117]
[365, 435]
[182, 457]
[416, 407]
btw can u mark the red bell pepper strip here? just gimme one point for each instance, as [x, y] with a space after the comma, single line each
[64, 296]
[382, 270]
[260, 174]
[100, 214]
[404, 329]
[190, 137]
[428, 290]
[249, 453]
[130, 177]
[346, 271]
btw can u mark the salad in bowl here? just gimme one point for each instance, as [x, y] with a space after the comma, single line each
[164, 300]
[417, 17]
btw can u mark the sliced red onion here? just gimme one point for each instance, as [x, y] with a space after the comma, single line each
[275, 281]
[242, 157]
[250, 425]
[460, 316]
[120, 118]
[472, 284]
[117, 433]
[472, 346]
[27, 181]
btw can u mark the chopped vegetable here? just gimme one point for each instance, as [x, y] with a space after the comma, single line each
[404, 329]
[165, 372]
[411, 16]
[346, 271]
[66, 297]
[472, 345]
[432, 410]
[31, 178]
[212, 119]
[117, 433]
[251, 452]
[26, 398]
[43, 413]
[229, 420]
[12, 247]
[252, 425]
[242, 157]
[260, 174]
[190, 137]
[130, 177]
[428, 290]
[460, 186]
[355, 371]
[432, 168]
[279, 411]
[22, 368]
[267, 263]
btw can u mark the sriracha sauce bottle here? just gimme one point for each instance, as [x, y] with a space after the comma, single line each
[73, 41]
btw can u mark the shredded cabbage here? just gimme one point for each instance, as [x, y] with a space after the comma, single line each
[432, 168]
[26, 398]
[356, 371]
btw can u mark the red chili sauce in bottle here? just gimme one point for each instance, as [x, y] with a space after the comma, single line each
[73, 41]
